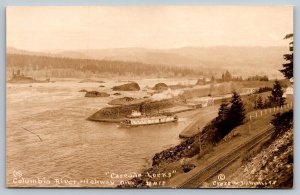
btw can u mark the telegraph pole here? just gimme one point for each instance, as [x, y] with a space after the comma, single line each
[200, 141]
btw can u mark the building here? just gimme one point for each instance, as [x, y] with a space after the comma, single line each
[289, 91]
[201, 102]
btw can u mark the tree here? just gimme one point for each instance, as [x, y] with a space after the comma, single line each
[223, 122]
[212, 79]
[260, 104]
[229, 116]
[276, 98]
[282, 122]
[227, 76]
[287, 70]
[223, 111]
[264, 78]
[237, 110]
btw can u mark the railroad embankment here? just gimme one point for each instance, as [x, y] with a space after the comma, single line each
[186, 156]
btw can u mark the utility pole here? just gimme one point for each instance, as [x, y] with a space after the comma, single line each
[200, 142]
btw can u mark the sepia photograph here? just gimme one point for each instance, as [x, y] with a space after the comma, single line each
[149, 97]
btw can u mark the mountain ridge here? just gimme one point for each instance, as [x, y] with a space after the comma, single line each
[234, 58]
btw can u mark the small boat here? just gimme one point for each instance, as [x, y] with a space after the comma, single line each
[140, 120]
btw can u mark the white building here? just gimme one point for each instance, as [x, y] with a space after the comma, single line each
[289, 91]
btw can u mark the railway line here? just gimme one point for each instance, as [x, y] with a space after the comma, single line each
[200, 176]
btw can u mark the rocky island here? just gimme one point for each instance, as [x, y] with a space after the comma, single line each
[119, 113]
[96, 94]
[160, 87]
[127, 87]
[21, 78]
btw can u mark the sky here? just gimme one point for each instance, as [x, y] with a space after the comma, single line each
[153, 27]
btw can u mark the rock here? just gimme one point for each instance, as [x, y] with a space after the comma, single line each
[246, 169]
[101, 86]
[160, 87]
[96, 94]
[83, 90]
[188, 167]
[128, 99]
[20, 78]
[182, 161]
[127, 87]
[236, 133]
[117, 94]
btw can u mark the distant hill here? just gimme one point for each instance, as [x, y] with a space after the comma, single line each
[38, 66]
[240, 60]
[228, 57]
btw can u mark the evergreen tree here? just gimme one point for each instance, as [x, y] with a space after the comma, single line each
[282, 122]
[237, 110]
[276, 99]
[260, 104]
[227, 76]
[287, 70]
[223, 111]
[212, 79]
[223, 122]
[229, 116]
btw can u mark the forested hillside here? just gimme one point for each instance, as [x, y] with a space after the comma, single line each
[46, 66]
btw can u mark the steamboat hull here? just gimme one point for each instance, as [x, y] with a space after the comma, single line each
[148, 121]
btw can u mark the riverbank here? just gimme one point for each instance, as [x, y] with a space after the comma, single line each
[185, 156]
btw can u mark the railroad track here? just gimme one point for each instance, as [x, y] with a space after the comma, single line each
[204, 174]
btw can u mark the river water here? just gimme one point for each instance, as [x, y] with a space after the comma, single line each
[49, 137]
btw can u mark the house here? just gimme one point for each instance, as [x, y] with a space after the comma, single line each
[289, 91]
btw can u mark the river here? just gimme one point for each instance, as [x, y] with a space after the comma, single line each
[49, 137]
